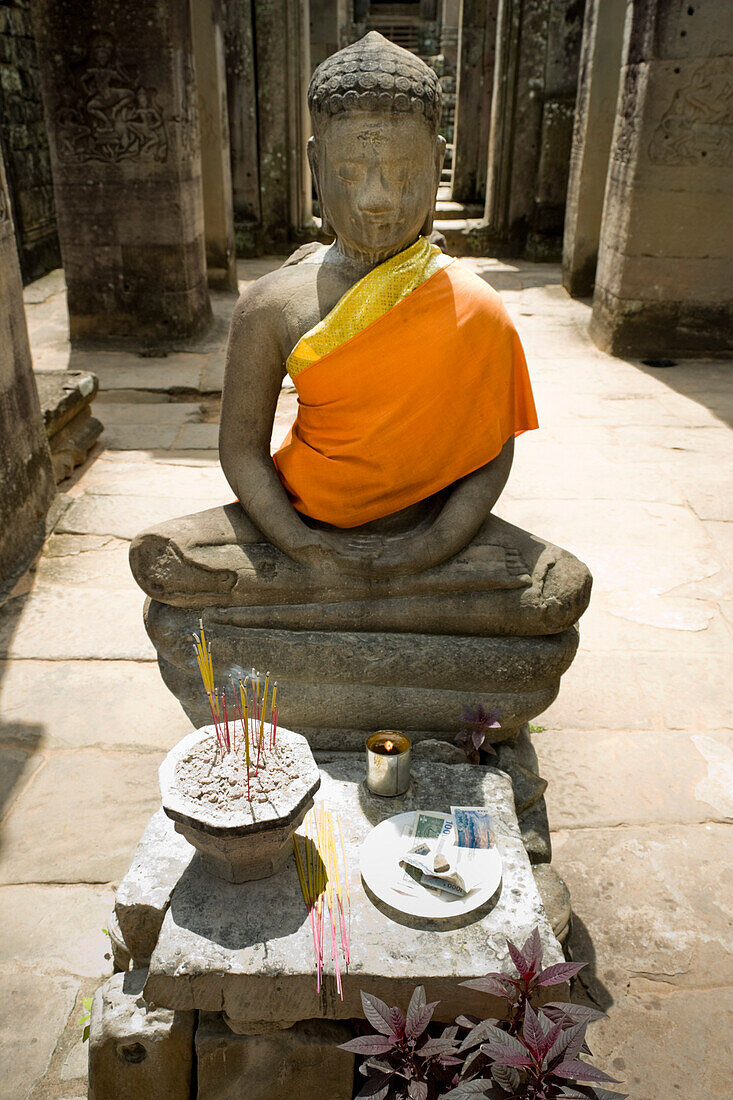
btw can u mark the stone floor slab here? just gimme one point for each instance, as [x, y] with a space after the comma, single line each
[68, 623]
[80, 818]
[197, 437]
[118, 705]
[643, 691]
[651, 903]
[56, 928]
[111, 475]
[658, 778]
[34, 1009]
[122, 370]
[669, 1043]
[124, 517]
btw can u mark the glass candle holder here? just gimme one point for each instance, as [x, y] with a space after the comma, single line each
[388, 763]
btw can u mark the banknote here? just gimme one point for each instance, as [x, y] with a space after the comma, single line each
[473, 827]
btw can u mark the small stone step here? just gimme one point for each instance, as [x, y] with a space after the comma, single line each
[447, 210]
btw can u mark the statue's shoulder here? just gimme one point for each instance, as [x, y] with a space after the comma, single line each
[271, 292]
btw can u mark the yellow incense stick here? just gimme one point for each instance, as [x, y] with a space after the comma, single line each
[245, 720]
[264, 708]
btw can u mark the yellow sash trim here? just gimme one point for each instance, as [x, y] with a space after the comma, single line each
[367, 301]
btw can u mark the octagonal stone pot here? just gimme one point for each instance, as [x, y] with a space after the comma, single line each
[249, 842]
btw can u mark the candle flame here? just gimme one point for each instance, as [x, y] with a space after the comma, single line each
[388, 746]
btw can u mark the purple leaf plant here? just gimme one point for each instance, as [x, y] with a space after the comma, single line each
[531, 1054]
[475, 734]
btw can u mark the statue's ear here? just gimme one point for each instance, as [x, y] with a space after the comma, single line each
[440, 147]
[313, 163]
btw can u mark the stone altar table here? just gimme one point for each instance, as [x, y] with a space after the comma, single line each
[242, 955]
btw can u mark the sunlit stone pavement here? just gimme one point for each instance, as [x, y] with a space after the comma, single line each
[630, 471]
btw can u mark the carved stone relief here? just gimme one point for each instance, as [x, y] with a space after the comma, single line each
[697, 127]
[107, 115]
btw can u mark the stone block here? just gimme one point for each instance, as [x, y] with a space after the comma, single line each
[144, 894]
[247, 949]
[275, 1064]
[71, 445]
[63, 395]
[137, 1052]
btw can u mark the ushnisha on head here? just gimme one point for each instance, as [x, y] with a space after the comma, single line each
[376, 155]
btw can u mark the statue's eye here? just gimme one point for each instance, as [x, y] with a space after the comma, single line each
[396, 173]
[351, 173]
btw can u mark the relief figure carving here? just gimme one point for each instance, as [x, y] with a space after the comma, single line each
[697, 127]
[107, 115]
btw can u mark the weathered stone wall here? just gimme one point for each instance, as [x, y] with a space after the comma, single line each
[119, 88]
[26, 479]
[665, 274]
[25, 145]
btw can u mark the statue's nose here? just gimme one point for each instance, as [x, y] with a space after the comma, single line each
[375, 197]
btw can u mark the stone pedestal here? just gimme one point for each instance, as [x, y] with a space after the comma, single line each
[476, 49]
[595, 114]
[242, 955]
[216, 173]
[119, 89]
[247, 949]
[26, 477]
[136, 1050]
[494, 625]
[302, 1061]
[664, 276]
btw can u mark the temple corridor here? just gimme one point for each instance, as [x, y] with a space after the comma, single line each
[629, 470]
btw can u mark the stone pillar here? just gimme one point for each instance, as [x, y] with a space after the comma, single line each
[664, 277]
[476, 48]
[242, 106]
[595, 113]
[26, 479]
[216, 171]
[27, 159]
[533, 99]
[119, 89]
[268, 69]
[328, 27]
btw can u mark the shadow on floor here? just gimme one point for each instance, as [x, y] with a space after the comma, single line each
[587, 986]
[709, 382]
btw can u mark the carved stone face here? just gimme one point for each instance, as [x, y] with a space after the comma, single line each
[377, 175]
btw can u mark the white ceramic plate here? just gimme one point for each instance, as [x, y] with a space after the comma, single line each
[381, 853]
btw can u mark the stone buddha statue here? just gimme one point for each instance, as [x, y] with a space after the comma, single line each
[361, 563]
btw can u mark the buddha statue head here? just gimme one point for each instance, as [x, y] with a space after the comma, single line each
[376, 155]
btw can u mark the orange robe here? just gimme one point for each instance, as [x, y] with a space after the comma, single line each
[422, 396]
